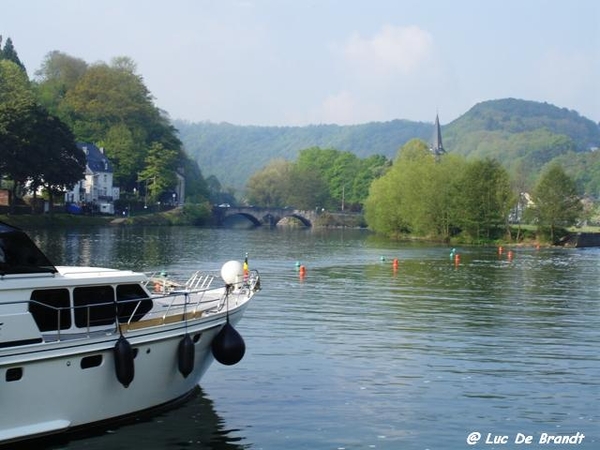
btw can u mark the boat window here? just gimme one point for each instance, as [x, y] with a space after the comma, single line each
[50, 309]
[132, 298]
[94, 306]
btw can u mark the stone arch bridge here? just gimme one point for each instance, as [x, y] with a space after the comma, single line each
[262, 215]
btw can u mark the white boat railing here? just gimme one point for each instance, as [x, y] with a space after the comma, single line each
[196, 293]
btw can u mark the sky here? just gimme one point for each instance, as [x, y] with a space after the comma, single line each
[301, 62]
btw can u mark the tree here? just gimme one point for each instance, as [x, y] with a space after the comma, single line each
[395, 203]
[196, 187]
[305, 189]
[383, 206]
[370, 169]
[485, 199]
[105, 96]
[269, 186]
[58, 162]
[556, 200]
[159, 174]
[347, 177]
[9, 53]
[58, 74]
[445, 192]
[17, 105]
[325, 165]
[125, 152]
[34, 146]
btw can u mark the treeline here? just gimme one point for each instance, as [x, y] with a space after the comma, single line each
[444, 197]
[319, 178]
[473, 200]
[106, 104]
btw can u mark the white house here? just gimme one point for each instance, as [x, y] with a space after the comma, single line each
[96, 190]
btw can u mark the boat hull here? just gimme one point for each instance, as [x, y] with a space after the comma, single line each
[73, 384]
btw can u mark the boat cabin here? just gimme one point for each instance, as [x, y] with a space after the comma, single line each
[54, 299]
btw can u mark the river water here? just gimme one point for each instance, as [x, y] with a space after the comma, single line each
[497, 351]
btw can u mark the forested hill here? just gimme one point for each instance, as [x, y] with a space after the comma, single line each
[233, 153]
[523, 135]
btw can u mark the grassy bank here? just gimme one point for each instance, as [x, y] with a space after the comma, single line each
[26, 221]
[167, 218]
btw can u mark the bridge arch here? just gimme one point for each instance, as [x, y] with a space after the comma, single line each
[302, 219]
[259, 216]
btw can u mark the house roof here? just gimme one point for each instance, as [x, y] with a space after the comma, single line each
[96, 160]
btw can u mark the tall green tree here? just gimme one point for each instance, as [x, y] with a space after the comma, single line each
[159, 173]
[556, 200]
[395, 204]
[16, 96]
[127, 154]
[370, 168]
[485, 199]
[9, 53]
[383, 211]
[17, 108]
[58, 163]
[35, 146]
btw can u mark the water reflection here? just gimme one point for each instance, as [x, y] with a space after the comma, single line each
[194, 424]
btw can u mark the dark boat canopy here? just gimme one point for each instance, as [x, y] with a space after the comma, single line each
[18, 253]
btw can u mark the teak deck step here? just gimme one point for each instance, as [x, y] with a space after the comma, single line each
[158, 321]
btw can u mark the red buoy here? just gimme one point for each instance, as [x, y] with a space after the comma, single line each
[302, 271]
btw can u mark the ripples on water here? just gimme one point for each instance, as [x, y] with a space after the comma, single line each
[358, 356]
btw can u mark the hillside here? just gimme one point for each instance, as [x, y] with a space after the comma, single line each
[233, 153]
[523, 135]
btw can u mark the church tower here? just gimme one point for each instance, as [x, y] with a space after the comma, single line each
[437, 148]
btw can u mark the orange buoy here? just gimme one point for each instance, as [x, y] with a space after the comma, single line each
[457, 259]
[302, 271]
[510, 255]
[395, 263]
[500, 250]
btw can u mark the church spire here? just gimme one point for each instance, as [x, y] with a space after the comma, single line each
[437, 148]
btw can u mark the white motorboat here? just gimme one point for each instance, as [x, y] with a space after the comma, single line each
[82, 345]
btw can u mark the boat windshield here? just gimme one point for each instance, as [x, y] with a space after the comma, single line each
[18, 253]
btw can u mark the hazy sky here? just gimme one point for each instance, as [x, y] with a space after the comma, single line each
[298, 62]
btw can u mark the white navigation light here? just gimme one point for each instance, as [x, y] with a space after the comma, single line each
[232, 272]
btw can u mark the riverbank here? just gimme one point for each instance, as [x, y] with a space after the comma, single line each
[26, 221]
[175, 217]
[525, 236]
[172, 217]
